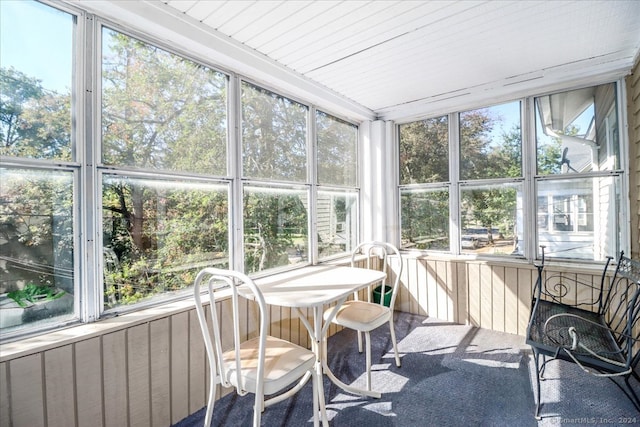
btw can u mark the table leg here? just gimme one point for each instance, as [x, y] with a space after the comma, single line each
[315, 333]
[345, 387]
[319, 337]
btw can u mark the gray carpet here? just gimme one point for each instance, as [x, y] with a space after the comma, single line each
[451, 375]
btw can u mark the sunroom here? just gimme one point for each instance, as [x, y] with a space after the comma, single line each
[143, 141]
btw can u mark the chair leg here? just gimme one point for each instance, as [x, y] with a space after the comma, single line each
[359, 341]
[539, 373]
[367, 337]
[257, 409]
[393, 341]
[321, 401]
[211, 399]
[314, 382]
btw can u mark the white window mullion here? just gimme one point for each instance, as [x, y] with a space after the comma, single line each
[88, 83]
[234, 159]
[391, 202]
[312, 178]
[454, 186]
[529, 202]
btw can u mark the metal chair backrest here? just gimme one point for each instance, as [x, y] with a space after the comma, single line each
[381, 250]
[215, 281]
[621, 306]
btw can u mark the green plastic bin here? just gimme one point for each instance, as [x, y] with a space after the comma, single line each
[387, 295]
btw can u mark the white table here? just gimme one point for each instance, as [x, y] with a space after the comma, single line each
[315, 287]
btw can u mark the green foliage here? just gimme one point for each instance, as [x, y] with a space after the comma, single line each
[424, 151]
[337, 151]
[549, 157]
[274, 136]
[271, 224]
[505, 160]
[425, 220]
[34, 122]
[33, 293]
[161, 111]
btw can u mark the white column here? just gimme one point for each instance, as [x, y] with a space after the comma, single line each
[378, 182]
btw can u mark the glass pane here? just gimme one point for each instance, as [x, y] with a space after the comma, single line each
[424, 151]
[161, 111]
[275, 228]
[36, 247]
[274, 136]
[577, 131]
[425, 219]
[36, 75]
[491, 218]
[157, 235]
[490, 142]
[337, 217]
[577, 218]
[337, 151]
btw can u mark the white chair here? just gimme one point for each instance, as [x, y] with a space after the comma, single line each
[365, 316]
[263, 365]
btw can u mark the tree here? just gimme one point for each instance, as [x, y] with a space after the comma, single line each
[274, 136]
[424, 151]
[337, 151]
[270, 223]
[495, 206]
[34, 122]
[162, 113]
[36, 208]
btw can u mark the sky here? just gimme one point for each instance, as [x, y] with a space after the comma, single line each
[38, 41]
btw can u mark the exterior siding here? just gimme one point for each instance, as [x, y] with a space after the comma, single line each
[633, 118]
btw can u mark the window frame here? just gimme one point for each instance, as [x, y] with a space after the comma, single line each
[530, 178]
[73, 166]
[88, 169]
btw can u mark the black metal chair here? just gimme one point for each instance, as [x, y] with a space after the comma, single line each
[599, 332]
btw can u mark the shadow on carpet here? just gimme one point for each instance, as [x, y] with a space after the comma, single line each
[451, 375]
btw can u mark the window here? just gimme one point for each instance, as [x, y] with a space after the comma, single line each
[486, 191]
[275, 227]
[424, 190]
[425, 219]
[158, 233]
[578, 180]
[161, 113]
[39, 178]
[489, 215]
[274, 148]
[36, 81]
[159, 185]
[576, 174]
[337, 196]
[491, 175]
[37, 217]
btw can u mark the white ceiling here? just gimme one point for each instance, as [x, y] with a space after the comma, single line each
[405, 58]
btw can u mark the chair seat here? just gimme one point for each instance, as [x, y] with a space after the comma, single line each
[360, 315]
[284, 363]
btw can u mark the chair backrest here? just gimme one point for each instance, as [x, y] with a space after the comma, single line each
[621, 305]
[377, 253]
[215, 280]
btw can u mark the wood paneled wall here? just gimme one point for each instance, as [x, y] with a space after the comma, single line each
[488, 295]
